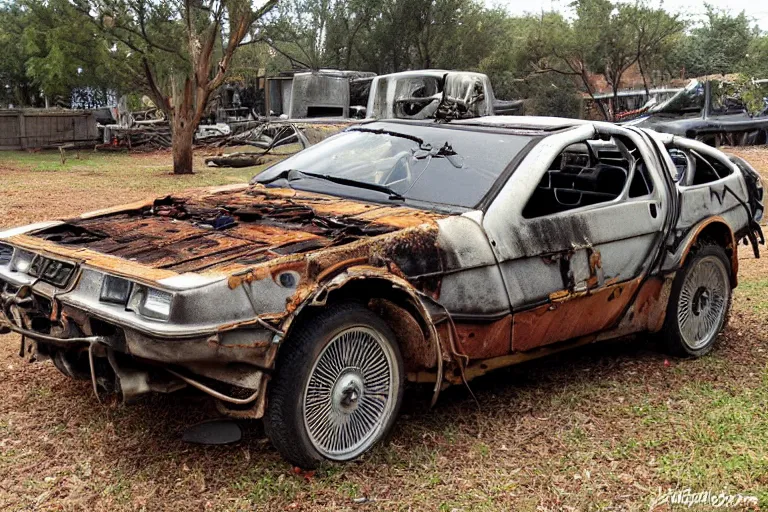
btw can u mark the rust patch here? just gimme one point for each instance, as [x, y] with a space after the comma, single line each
[595, 261]
[485, 340]
[478, 368]
[338, 267]
[112, 264]
[418, 352]
[235, 228]
[415, 253]
[650, 306]
[730, 245]
[571, 316]
[255, 274]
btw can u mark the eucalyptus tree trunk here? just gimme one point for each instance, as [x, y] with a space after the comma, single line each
[183, 138]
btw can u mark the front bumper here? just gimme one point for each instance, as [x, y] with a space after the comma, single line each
[232, 365]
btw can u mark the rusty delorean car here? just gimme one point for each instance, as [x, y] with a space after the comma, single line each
[394, 251]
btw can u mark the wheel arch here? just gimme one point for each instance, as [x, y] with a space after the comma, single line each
[717, 230]
[394, 300]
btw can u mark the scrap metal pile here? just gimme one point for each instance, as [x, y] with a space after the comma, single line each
[149, 129]
[303, 108]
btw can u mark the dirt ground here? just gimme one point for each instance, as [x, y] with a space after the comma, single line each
[605, 427]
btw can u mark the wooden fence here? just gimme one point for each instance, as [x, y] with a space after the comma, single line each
[29, 129]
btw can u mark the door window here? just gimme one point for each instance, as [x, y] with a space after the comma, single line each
[589, 173]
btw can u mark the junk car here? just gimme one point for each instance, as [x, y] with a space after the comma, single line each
[396, 251]
[714, 111]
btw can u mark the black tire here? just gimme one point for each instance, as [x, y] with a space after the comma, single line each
[353, 394]
[701, 288]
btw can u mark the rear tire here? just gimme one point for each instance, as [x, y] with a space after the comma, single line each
[699, 303]
[337, 389]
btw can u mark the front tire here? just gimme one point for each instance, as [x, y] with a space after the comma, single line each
[699, 303]
[337, 389]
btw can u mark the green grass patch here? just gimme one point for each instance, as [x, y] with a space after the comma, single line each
[755, 294]
[719, 440]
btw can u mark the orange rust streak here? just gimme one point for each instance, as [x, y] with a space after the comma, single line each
[269, 235]
[336, 267]
[399, 217]
[649, 308]
[295, 263]
[697, 232]
[571, 317]
[257, 274]
[485, 340]
[158, 241]
[165, 230]
[342, 207]
[138, 205]
[396, 216]
[113, 264]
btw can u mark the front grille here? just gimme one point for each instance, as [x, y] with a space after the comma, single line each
[6, 253]
[57, 273]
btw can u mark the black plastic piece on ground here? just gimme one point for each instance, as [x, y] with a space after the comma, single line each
[219, 431]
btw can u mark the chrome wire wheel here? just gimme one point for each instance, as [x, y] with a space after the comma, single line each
[351, 393]
[703, 302]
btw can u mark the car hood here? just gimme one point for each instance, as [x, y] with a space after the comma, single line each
[219, 231]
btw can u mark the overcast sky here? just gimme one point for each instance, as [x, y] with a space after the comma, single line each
[757, 9]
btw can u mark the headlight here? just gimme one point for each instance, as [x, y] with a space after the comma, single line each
[115, 290]
[157, 304]
[21, 261]
[150, 302]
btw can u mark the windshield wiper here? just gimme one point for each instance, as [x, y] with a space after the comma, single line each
[355, 183]
[294, 174]
[387, 132]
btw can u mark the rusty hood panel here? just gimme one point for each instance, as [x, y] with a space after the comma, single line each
[221, 231]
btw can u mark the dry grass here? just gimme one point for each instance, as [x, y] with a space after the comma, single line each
[601, 428]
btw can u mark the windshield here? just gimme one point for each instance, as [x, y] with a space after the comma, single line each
[393, 161]
[689, 100]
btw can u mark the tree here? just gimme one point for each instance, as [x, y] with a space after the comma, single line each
[630, 35]
[552, 95]
[63, 55]
[384, 36]
[756, 62]
[180, 51]
[607, 38]
[298, 31]
[719, 46]
[556, 46]
[347, 26]
[658, 34]
[15, 86]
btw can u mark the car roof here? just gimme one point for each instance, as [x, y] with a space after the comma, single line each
[437, 73]
[527, 122]
[511, 123]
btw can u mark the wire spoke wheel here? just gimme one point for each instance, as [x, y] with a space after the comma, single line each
[351, 393]
[703, 302]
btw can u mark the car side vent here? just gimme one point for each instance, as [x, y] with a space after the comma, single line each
[6, 252]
